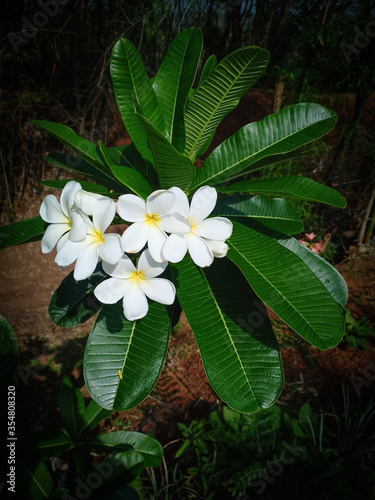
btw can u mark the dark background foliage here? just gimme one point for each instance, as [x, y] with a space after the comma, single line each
[55, 65]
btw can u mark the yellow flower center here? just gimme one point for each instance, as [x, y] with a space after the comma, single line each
[99, 235]
[152, 219]
[136, 276]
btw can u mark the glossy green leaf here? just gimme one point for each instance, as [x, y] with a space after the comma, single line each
[123, 359]
[74, 302]
[128, 176]
[34, 480]
[72, 405]
[8, 352]
[219, 93]
[289, 186]
[174, 169]
[87, 186]
[93, 415]
[289, 129]
[287, 285]
[276, 213]
[234, 334]
[149, 448]
[24, 231]
[45, 444]
[210, 65]
[134, 91]
[74, 163]
[84, 148]
[174, 80]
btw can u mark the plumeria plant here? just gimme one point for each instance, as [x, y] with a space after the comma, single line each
[196, 238]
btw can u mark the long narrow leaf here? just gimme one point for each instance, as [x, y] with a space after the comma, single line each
[276, 213]
[123, 359]
[289, 186]
[289, 129]
[219, 93]
[235, 337]
[24, 231]
[287, 285]
[133, 91]
[174, 80]
[174, 169]
[93, 415]
[72, 405]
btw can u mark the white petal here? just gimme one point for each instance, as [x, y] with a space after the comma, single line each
[61, 241]
[135, 303]
[199, 251]
[135, 237]
[104, 212]
[111, 250]
[86, 262]
[158, 289]
[217, 228]
[52, 235]
[202, 204]
[175, 247]
[174, 223]
[67, 197]
[149, 267]
[181, 204]
[123, 269]
[50, 210]
[86, 201]
[79, 226]
[112, 290]
[218, 248]
[131, 208]
[156, 240]
[71, 250]
[160, 202]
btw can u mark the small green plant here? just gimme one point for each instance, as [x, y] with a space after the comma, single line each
[357, 331]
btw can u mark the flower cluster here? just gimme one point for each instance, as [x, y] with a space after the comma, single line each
[165, 222]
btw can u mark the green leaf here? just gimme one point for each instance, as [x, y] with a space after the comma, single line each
[174, 80]
[74, 302]
[34, 480]
[93, 415]
[134, 351]
[282, 132]
[210, 65]
[87, 186]
[76, 164]
[128, 176]
[275, 213]
[173, 168]
[45, 444]
[287, 285]
[133, 90]
[235, 337]
[219, 93]
[149, 448]
[8, 352]
[24, 231]
[84, 148]
[289, 186]
[72, 405]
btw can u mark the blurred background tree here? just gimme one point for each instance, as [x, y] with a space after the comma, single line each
[55, 65]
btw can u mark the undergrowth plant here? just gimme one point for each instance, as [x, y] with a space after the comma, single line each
[224, 247]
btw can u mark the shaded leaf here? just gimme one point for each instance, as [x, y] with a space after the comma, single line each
[24, 231]
[72, 405]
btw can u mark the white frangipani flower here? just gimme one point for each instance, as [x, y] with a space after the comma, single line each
[152, 219]
[65, 218]
[96, 246]
[86, 201]
[135, 284]
[207, 236]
